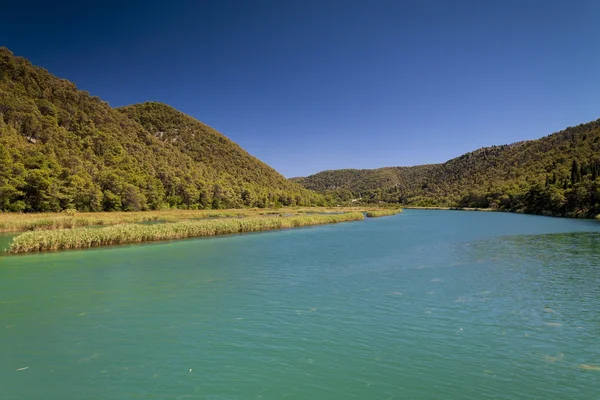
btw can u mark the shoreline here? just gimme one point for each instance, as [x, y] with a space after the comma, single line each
[499, 211]
[451, 208]
[89, 237]
[22, 222]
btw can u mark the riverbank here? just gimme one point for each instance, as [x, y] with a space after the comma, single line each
[87, 237]
[16, 222]
[570, 216]
[449, 208]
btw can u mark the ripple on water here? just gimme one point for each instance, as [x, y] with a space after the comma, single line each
[333, 312]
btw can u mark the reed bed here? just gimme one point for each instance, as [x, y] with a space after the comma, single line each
[11, 222]
[80, 238]
[383, 213]
[14, 222]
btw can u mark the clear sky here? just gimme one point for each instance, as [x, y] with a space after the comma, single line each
[312, 85]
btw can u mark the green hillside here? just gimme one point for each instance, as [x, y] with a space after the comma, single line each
[61, 148]
[205, 145]
[345, 184]
[556, 175]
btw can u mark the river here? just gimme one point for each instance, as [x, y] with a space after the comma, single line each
[421, 305]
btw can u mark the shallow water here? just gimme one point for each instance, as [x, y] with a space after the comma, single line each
[5, 239]
[421, 305]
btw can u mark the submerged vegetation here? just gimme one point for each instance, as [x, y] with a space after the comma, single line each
[80, 238]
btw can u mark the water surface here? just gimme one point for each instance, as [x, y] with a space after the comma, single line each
[5, 239]
[422, 305]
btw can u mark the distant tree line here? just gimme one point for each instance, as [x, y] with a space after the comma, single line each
[555, 175]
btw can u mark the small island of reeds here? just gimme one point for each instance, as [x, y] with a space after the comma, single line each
[383, 212]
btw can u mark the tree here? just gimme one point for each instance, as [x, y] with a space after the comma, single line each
[38, 191]
[575, 173]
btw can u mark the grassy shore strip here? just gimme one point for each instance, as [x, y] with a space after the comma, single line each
[11, 222]
[15, 222]
[383, 213]
[80, 238]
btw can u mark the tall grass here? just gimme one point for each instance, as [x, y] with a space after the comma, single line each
[14, 222]
[80, 238]
[383, 213]
[11, 222]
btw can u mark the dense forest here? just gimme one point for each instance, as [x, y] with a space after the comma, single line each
[61, 148]
[556, 175]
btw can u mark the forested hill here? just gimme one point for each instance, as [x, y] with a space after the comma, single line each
[61, 148]
[556, 175]
[205, 145]
[369, 183]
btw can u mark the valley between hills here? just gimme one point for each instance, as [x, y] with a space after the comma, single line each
[64, 149]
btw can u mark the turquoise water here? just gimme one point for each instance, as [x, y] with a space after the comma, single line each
[5, 239]
[422, 305]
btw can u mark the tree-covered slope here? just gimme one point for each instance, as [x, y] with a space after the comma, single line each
[558, 174]
[61, 148]
[205, 145]
[369, 183]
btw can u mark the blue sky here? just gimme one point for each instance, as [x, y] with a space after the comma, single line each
[312, 85]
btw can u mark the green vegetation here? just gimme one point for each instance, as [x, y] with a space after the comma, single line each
[62, 149]
[13, 222]
[556, 175]
[383, 213]
[79, 238]
[348, 184]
